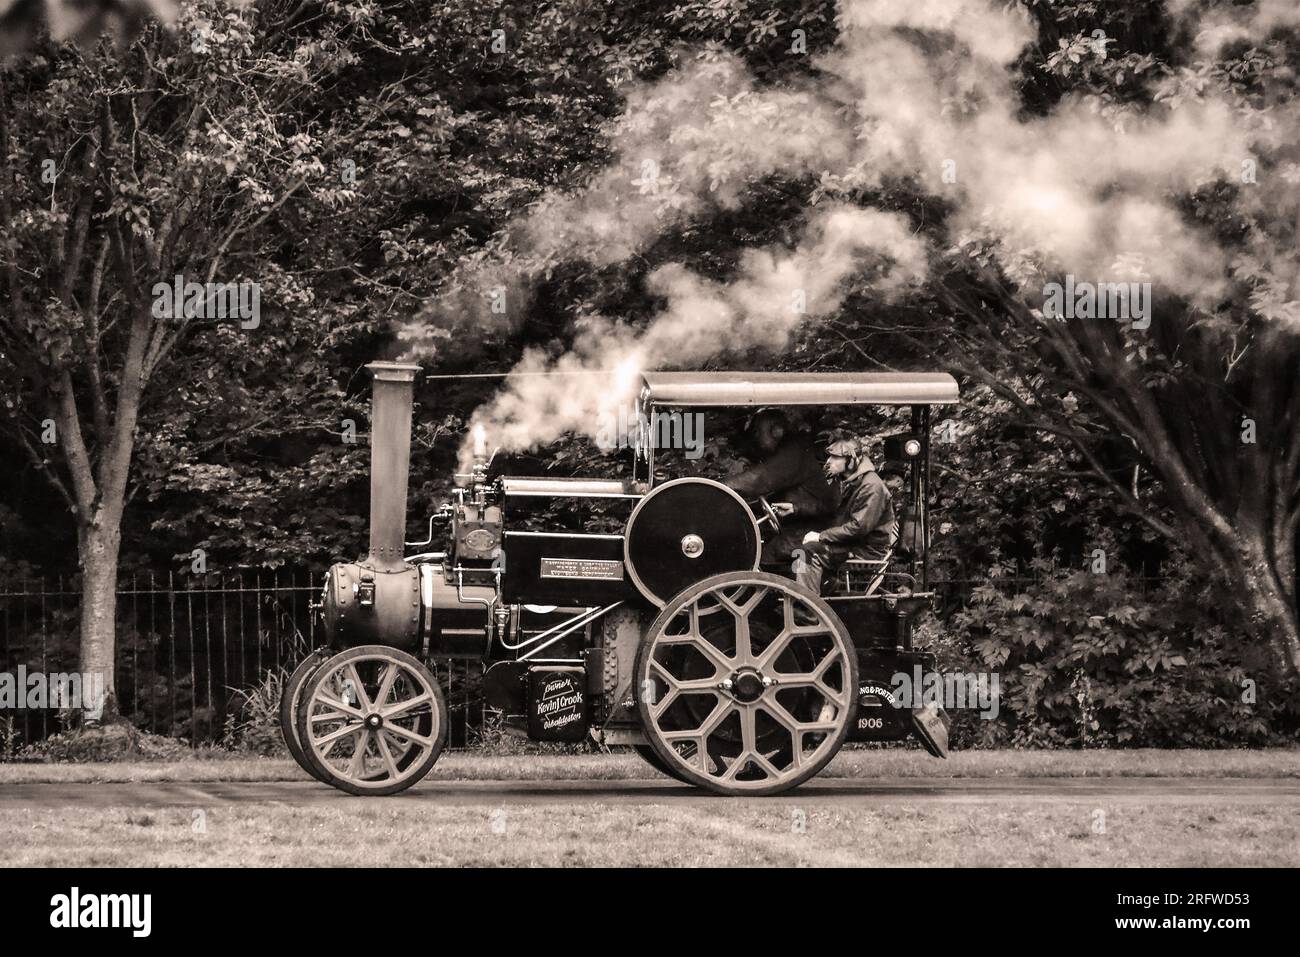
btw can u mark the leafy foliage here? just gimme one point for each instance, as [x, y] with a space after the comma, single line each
[1103, 660]
[351, 158]
[253, 725]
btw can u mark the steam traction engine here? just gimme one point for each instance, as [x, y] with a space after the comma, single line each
[670, 637]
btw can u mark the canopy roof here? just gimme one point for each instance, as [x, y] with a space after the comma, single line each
[798, 388]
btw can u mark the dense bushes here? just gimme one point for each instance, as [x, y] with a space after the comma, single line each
[1100, 659]
[1101, 633]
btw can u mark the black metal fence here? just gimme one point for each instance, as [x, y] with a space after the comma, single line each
[187, 646]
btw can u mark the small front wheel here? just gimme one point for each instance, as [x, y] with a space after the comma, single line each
[290, 697]
[372, 720]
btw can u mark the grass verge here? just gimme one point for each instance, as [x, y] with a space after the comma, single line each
[775, 833]
[850, 763]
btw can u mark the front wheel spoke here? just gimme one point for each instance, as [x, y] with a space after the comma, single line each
[330, 716]
[337, 705]
[358, 763]
[358, 687]
[410, 735]
[327, 741]
[382, 745]
[401, 707]
[386, 685]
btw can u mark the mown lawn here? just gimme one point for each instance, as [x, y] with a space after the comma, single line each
[663, 831]
[775, 833]
[864, 763]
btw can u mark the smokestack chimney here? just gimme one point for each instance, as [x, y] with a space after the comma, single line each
[390, 460]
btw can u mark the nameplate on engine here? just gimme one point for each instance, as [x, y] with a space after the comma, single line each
[591, 568]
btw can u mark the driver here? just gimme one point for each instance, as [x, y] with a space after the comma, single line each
[791, 474]
[864, 527]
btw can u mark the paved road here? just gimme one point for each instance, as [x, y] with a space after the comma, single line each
[859, 791]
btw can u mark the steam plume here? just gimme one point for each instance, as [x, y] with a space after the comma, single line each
[923, 90]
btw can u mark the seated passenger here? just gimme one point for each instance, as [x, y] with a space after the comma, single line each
[864, 525]
[791, 477]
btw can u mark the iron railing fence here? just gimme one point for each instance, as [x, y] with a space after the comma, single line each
[188, 645]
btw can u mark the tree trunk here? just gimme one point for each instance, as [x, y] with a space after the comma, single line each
[100, 545]
[1273, 613]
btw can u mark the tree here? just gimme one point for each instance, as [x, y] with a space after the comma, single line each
[1204, 400]
[21, 20]
[337, 161]
[170, 161]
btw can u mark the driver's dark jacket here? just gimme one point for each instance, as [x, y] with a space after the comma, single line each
[793, 473]
[865, 520]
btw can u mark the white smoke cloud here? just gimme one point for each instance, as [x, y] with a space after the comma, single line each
[920, 89]
[773, 292]
[689, 141]
[1217, 25]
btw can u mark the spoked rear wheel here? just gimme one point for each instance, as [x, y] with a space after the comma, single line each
[372, 720]
[746, 684]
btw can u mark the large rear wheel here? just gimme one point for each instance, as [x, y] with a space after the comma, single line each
[651, 757]
[746, 684]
